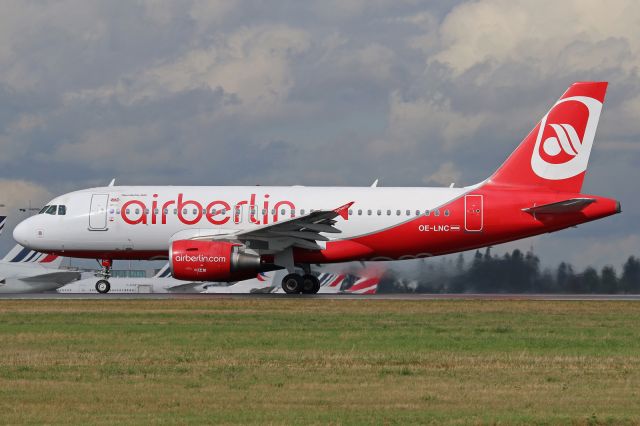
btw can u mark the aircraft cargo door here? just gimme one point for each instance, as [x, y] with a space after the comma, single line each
[473, 214]
[98, 212]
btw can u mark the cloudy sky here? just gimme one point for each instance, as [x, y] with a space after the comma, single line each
[327, 92]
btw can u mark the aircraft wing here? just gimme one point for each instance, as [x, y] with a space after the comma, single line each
[572, 205]
[60, 277]
[183, 286]
[303, 231]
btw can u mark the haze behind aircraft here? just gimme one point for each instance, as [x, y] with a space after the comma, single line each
[27, 271]
[233, 233]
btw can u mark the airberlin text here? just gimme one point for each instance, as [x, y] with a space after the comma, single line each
[200, 258]
[217, 212]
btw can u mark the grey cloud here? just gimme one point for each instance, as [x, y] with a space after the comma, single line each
[314, 93]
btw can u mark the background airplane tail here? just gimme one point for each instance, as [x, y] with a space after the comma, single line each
[555, 154]
[164, 272]
[19, 254]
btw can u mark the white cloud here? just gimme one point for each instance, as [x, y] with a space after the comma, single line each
[446, 174]
[546, 35]
[427, 119]
[15, 194]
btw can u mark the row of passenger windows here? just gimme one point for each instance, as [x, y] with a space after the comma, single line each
[54, 210]
[360, 212]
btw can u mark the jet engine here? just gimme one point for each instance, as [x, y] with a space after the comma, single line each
[212, 261]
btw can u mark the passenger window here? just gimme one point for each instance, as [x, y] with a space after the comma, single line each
[436, 212]
[137, 211]
[359, 212]
[302, 212]
[369, 212]
[379, 212]
[156, 211]
[397, 212]
[224, 211]
[427, 212]
[417, 212]
[52, 210]
[175, 211]
[388, 212]
[127, 211]
[184, 211]
[408, 212]
[117, 211]
[350, 212]
[165, 211]
[146, 211]
[62, 210]
[282, 212]
[195, 212]
[446, 212]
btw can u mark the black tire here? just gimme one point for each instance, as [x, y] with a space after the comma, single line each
[292, 284]
[103, 286]
[310, 284]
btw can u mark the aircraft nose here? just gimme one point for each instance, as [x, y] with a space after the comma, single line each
[23, 232]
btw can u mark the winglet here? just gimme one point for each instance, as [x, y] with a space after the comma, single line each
[344, 210]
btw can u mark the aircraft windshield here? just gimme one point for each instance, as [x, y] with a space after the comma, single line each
[44, 209]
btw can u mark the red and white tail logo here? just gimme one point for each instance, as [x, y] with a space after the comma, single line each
[565, 137]
[556, 153]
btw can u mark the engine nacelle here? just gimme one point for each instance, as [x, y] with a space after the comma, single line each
[211, 261]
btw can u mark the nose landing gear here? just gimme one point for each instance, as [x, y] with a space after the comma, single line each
[103, 286]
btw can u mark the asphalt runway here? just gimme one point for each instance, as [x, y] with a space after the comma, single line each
[426, 297]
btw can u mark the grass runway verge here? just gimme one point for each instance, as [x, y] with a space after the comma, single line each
[319, 361]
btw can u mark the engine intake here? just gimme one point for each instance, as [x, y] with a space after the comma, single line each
[212, 261]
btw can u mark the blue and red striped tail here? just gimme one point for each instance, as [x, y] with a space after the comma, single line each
[21, 254]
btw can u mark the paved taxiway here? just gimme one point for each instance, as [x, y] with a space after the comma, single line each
[142, 296]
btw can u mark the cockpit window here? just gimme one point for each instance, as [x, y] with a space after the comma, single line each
[52, 210]
[62, 210]
[44, 209]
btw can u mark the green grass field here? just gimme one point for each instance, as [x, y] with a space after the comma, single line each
[319, 361]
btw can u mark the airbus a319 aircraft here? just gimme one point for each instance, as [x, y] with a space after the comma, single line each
[232, 233]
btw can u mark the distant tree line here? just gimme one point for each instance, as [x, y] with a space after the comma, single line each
[514, 272]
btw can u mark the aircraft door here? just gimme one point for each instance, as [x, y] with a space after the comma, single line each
[473, 213]
[98, 212]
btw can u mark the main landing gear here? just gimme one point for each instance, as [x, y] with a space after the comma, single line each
[296, 283]
[103, 286]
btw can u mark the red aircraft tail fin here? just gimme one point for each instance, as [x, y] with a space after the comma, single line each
[556, 152]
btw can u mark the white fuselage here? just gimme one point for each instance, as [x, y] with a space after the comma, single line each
[146, 218]
[134, 285]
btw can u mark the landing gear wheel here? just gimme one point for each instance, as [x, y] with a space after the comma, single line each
[292, 284]
[310, 284]
[103, 286]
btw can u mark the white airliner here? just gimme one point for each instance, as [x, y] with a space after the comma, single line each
[162, 282]
[27, 271]
[213, 233]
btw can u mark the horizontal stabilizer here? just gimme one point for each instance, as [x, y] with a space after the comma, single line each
[572, 205]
